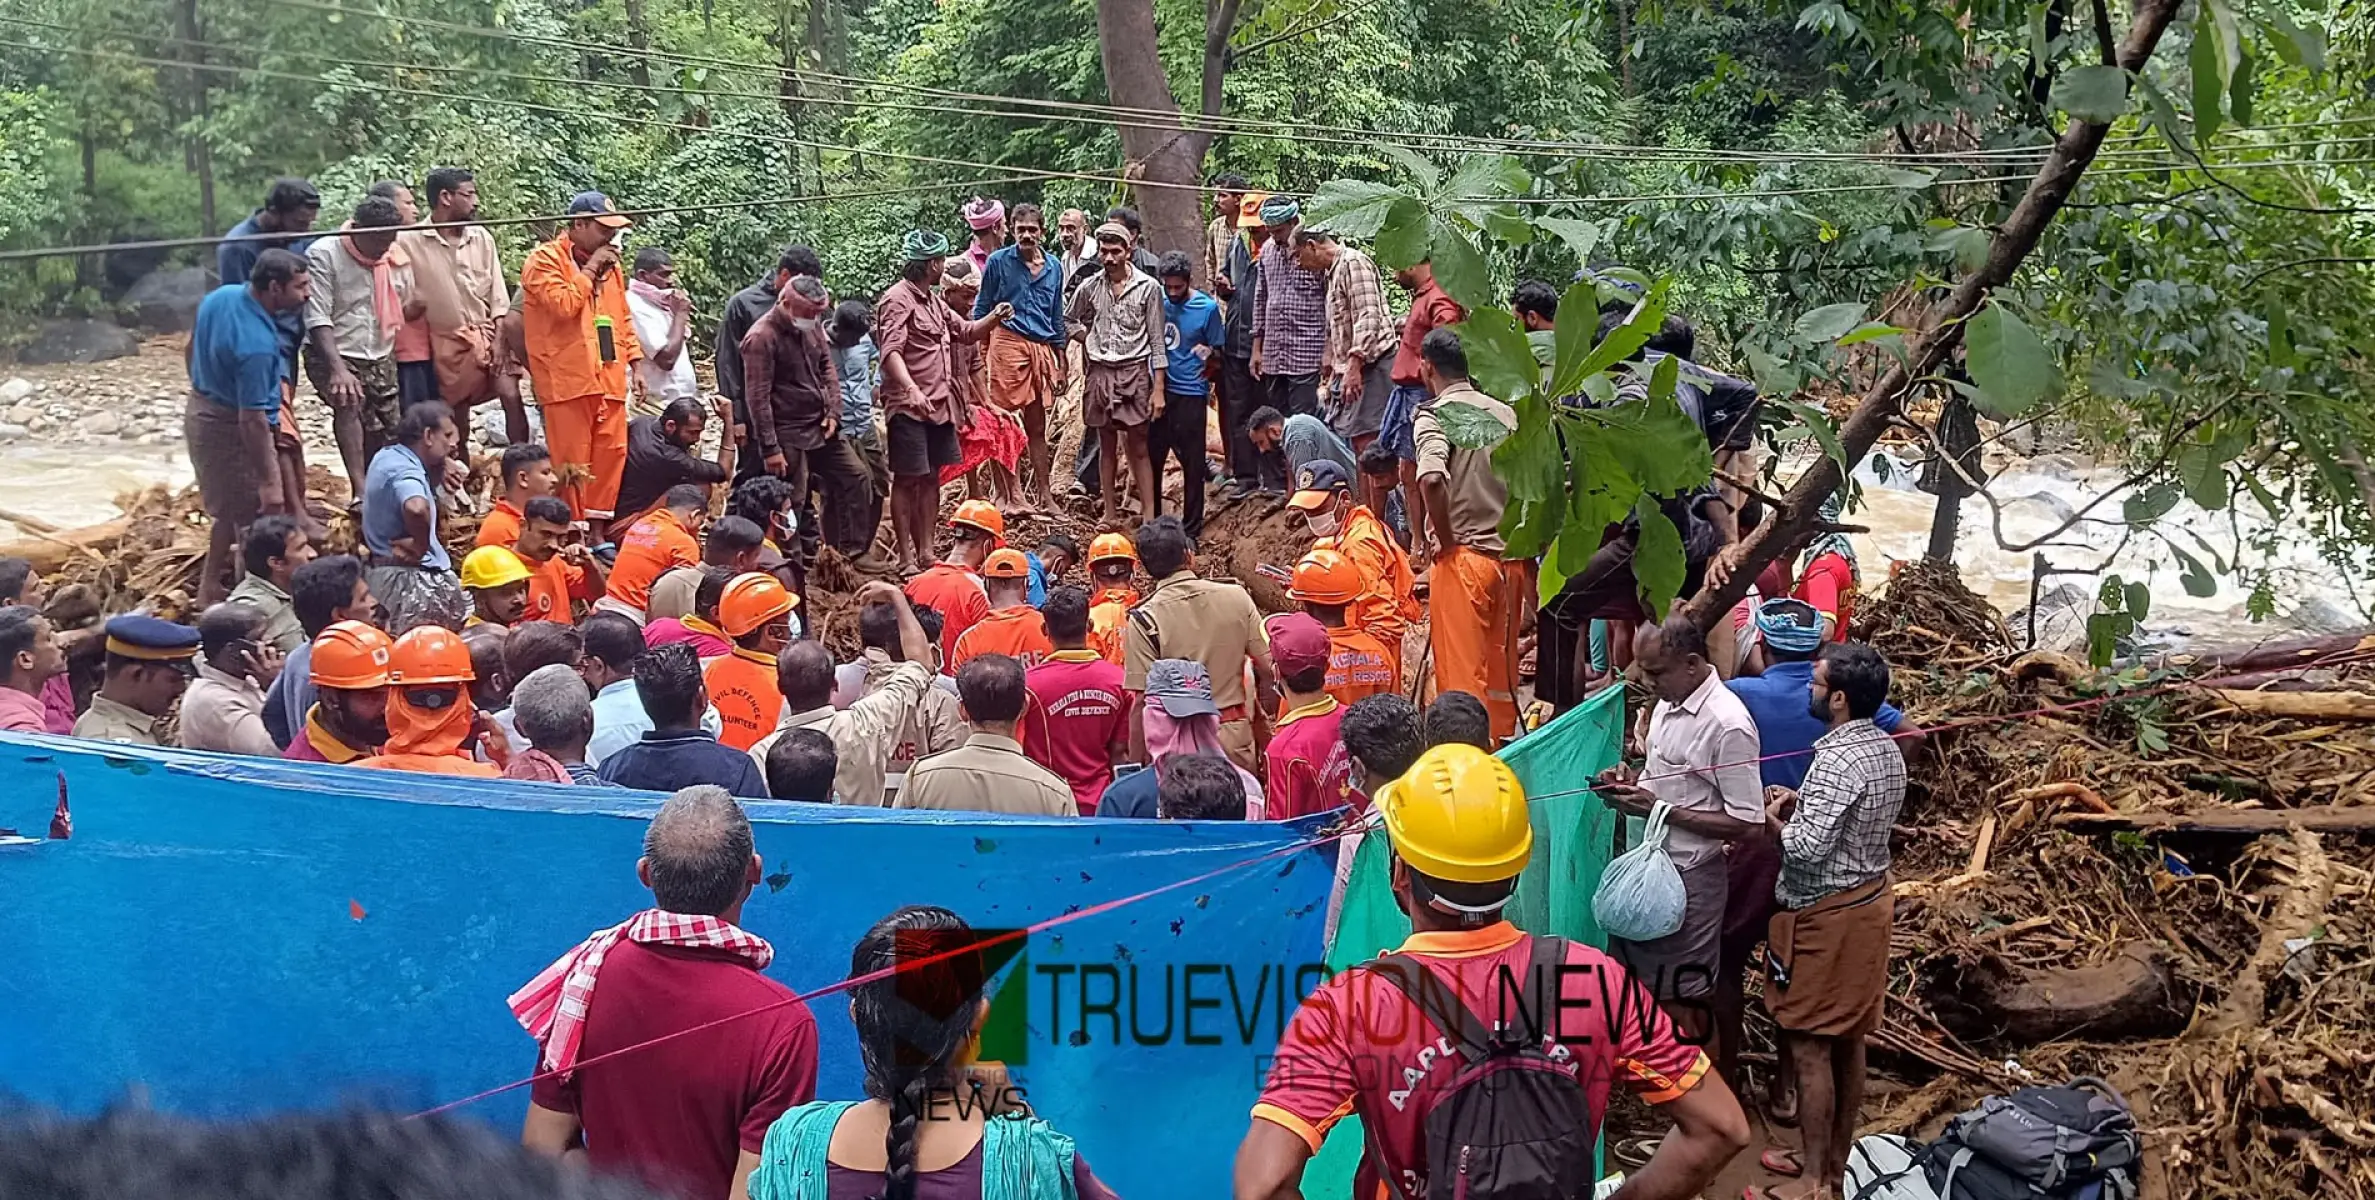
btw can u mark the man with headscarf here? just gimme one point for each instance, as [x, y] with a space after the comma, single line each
[1118, 318]
[1290, 315]
[1179, 716]
[986, 217]
[431, 722]
[913, 330]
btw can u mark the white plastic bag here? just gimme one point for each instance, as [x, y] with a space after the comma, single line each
[1641, 897]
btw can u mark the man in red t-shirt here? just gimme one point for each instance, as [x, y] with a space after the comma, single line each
[690, 1115]
[1360, 1046]
[1309, 770]
[952, 587]
[1078, 721]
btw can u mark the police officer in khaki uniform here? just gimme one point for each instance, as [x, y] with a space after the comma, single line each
[1210, 621]
[149, 663]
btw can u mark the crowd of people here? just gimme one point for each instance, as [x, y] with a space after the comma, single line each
[632, 613]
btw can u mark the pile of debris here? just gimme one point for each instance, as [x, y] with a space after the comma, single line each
[2160, 875]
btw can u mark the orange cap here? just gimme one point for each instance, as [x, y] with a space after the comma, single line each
[1006, 564]
[752, 600]
[1249, 210]
[981, 515]
[1111, 545]
[351, 654]
[429, 654]
[1326, 577]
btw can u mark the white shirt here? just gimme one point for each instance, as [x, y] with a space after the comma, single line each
[619, 721]
[1703, 758]
[651, 329]
[221, 711]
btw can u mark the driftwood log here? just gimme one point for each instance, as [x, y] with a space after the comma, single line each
[2135, 994]
[2326, 818]
[48, 552]
[2304, 706]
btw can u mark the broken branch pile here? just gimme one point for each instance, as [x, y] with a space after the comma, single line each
[2127, 875]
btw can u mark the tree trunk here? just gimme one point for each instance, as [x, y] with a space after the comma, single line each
[1624, 45]
[1941, 329]
[639, 39]
[200, 156]
[1163, 154]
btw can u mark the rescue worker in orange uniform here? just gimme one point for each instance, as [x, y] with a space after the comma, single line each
[430, 719]
[581, 343]
[349, 717]
[755, 611]
[953, 586]
[1388, 602]
[1326, 584]
[562, 572]
[1113, 565]
[1012, 627]
[652, 547]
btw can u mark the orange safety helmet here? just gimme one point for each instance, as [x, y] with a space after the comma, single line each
[429, 654]
[984, 516]
[1111, 545]
[351, 655]
[1326, 577]
[752, 600]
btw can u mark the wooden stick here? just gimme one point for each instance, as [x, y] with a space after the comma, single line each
[2308, 706]
[2252, 821]
[2067, 790]
[1980, 847]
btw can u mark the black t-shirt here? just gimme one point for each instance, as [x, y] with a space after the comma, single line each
[655, 464]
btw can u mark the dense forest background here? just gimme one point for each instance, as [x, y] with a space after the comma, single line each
[1803, 179]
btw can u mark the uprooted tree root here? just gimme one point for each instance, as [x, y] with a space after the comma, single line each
[2252, 1067]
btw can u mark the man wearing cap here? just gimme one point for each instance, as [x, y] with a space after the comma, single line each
[1290, 315]
[497, 582]
[1211, 621]
[1078, 724]
[1359, 664]
[1309, 770]
[581, 343]
[1240, 392]
[1026, 354]
[990, 772]
[1011, 627]
[1363, 1044]
[1118, 318]
[1477, 596]
[149, 663]
[348, 719]
[1388, 604]
[224, 707]
[953, 586]
[1113, 593]
[913, 331]
[1430, 309]
[30, 657]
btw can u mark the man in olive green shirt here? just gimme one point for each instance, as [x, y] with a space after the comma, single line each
[276, 546]
[989, 773]
[1210, 621]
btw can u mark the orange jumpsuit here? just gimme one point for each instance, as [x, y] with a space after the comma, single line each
[584, 398]
[1389, 601]
[501, 526]
[1017, 630]
[749, 701]
[958, 596]
[554, 583]
[1107, 613]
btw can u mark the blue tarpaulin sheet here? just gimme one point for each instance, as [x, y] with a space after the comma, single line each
[225, 936]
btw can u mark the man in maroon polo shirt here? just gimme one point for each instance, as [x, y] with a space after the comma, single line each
[1078, 721]
[690, 1115]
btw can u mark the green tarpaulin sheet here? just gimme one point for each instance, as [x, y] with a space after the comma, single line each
[1573, 832]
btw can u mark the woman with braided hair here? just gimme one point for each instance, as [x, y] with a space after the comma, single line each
[918, 1033]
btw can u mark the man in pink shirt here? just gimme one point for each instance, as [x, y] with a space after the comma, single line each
[29, 659]
[1078, 721]
[1309, 769]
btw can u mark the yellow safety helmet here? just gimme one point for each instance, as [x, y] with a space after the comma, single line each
[1458, 815]
[492, 567]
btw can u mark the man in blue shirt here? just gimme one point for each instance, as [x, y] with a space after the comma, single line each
[289, 210]
[1195, 338]
[678, 752]
[411, 572]
[235, 360]
[1781, 702]
[1026, 355]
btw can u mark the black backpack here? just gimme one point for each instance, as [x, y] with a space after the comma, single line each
[2073, 1142]
[1515, 1124]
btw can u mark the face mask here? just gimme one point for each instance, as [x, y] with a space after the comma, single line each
[1321, 524]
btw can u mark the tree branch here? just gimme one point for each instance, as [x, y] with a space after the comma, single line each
[1220, 20]
[2072, 152]
[1299, 30]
